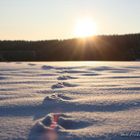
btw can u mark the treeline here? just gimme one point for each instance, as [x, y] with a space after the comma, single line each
[110, 48]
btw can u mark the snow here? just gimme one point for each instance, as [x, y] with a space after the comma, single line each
[70, 101]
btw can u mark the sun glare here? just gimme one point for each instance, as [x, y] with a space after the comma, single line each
[85, 28]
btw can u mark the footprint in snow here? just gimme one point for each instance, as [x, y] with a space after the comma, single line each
[47, 67]
[63, 85]
[31, 64]
[3, 78]
[55, 126]
[64, 77]
[56, 98]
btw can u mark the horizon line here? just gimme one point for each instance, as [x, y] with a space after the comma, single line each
[60, 39]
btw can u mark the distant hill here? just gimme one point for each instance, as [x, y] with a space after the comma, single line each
[109, 48]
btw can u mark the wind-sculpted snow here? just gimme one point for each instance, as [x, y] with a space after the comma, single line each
[70, 101]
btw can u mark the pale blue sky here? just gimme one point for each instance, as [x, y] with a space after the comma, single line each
[51, 19]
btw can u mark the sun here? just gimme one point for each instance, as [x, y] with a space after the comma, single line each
[85, 28]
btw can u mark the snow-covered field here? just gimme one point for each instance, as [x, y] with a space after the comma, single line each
[70, 101]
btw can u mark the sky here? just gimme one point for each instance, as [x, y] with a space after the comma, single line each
[56, 19]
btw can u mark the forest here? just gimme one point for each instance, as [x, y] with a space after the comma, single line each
[98, 48]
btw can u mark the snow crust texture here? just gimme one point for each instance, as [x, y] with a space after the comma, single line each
[70, 101]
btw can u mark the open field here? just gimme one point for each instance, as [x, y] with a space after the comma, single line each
[83, 100]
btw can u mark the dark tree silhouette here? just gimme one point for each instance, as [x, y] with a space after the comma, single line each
[113, 47]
